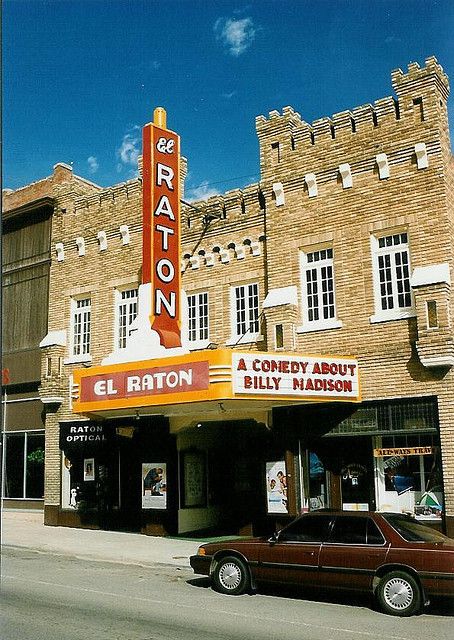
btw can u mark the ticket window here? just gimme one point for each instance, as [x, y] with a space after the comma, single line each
[408, 476]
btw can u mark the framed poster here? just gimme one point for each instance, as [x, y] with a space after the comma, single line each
[194, 479]
[276, 487]
[154, 485]
[89, 469]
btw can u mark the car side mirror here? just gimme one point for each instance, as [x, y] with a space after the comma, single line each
[274, 538]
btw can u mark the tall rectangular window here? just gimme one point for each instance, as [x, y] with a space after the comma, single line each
[24, 465]
[246, 310]
[81, 327]
[392, 274]
[127, 305]
[319, 304]
[198, 316]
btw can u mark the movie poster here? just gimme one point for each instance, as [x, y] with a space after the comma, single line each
[154, 485]
[276, 487]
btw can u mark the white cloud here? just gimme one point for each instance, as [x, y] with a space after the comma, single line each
[236, 35]
[202, 192]
[93, 164]
[129, 150]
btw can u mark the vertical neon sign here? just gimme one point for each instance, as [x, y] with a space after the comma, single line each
[161, 227]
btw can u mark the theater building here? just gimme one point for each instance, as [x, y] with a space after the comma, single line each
[285, 347]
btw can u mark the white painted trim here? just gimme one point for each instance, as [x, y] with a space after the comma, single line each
[278, 190]
[388, 316]
[397, 313]
[319, 326]
[197, 345]
[422, 159]
[311, 182]
[53, 339]
[248, 338]
[346, 175]
[281, 296]
[431, 274]
[383, 165]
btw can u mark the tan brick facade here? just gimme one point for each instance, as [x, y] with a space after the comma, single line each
[304, 203]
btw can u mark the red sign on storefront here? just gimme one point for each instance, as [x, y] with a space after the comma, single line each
[161, 228]
[172, 379]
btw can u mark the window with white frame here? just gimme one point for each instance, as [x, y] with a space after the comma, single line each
[126, 313]
[245, 312]
[391, 264]
[80, 327]
[198, 317]
[318, 294]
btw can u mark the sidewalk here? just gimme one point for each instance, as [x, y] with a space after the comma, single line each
[25, 529]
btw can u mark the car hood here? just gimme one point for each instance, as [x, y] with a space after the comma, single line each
[240, 543]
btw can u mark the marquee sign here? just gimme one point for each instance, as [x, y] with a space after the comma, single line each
[222, 375]
[145, 381]
[295, 376]
[161, 228]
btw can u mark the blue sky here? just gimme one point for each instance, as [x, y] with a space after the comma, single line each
[81, 77]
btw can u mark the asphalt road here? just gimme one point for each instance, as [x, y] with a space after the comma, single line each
[52, 597]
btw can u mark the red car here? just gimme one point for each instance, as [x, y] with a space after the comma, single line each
[400, 560]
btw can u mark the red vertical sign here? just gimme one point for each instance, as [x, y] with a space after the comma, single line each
[161, 230]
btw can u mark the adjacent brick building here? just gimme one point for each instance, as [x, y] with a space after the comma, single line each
[26, 257]
[343, 248]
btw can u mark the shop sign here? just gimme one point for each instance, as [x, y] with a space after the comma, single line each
[74, 435]
[403, 451]
[151, 381]
[274, 375]
[161, 230]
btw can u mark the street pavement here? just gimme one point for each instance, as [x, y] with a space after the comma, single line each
[25, 529]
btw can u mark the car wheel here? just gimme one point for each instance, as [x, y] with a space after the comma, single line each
[399, 594]
[231, 575]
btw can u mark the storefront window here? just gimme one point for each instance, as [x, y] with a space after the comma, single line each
[24, 465]
[317, 483]
[408, 475]
[313, 482]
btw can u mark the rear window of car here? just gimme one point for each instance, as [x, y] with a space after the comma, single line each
[413, 531]
[352, 530]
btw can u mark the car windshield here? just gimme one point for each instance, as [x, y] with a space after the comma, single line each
[413, 531]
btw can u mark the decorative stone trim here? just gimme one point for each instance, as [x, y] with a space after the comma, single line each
[383, 165]
[60, 249]
[346, 175]
[102, 240]
[80, 243]
[422, 159]
[311, 183]
[125, 235]
[278, 190]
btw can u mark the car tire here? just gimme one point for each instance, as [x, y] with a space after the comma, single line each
[231, 576]
[399, 594]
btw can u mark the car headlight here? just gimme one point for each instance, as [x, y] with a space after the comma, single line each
[201, 551]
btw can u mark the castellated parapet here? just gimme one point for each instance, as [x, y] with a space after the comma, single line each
[417, 115]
